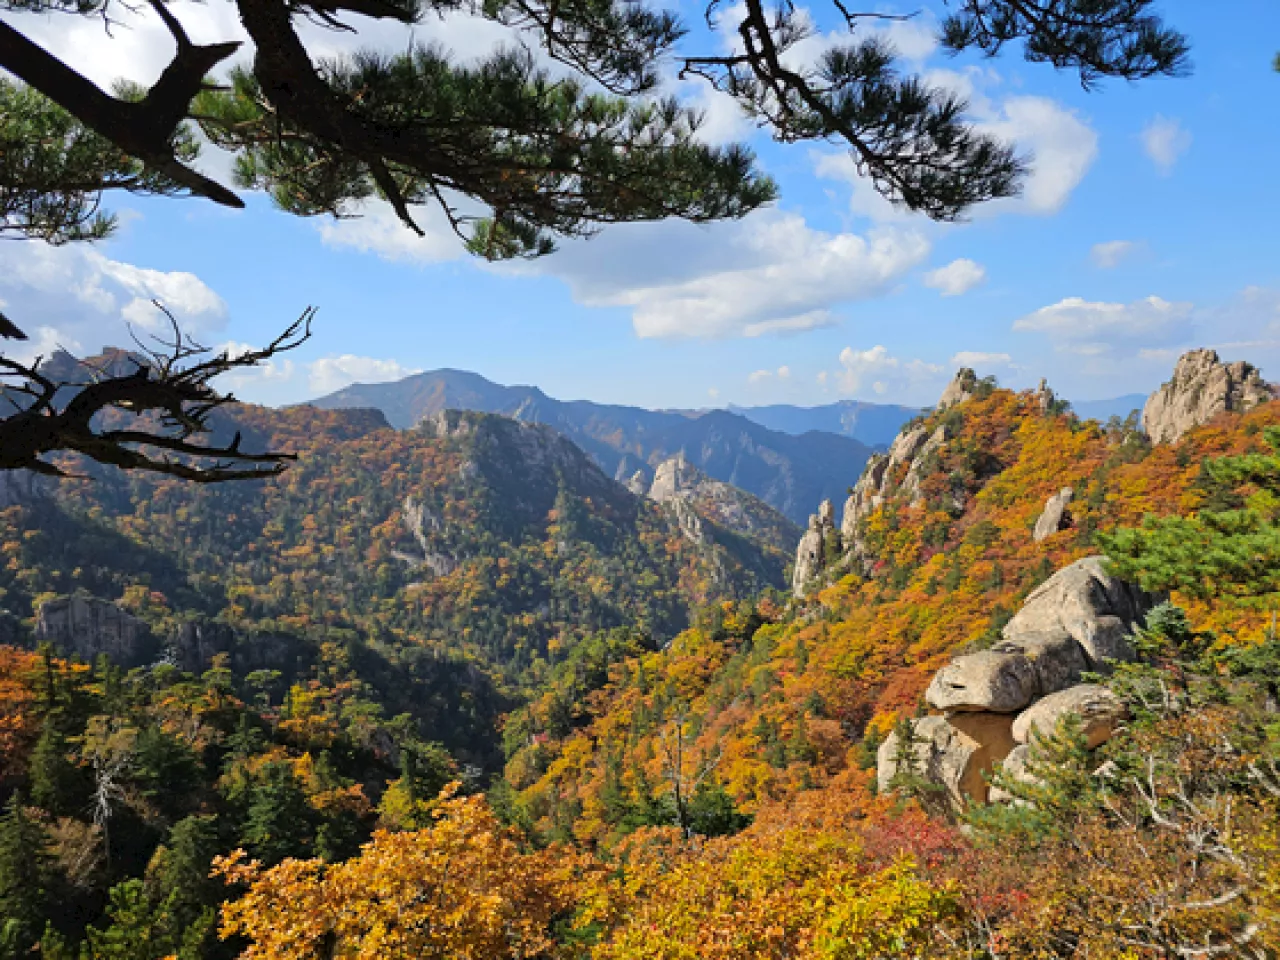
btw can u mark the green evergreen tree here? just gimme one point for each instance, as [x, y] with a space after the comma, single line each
[57, 784]
[279, 821]
[1228, 552]
[24, 881]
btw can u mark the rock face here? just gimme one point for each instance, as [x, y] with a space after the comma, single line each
[88, 627]
[674, 477]
[959, 390]
[422, 524]
[1055, 516]
[1100, 712]
[812, 552]
[992, 700]
[20, 487]
[692, 496]
[1202, 388]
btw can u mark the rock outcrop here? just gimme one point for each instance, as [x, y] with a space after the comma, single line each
[692, 496]
[960, 389]
[1202, 388]
[422, 524]
[673, 478]
[88, 627]
[1088, 604]
[813, 550]
[991, 701]
[1055, 516]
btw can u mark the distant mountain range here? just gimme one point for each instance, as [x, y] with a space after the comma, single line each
[1103, 410]
[790, 472]
[875, 424]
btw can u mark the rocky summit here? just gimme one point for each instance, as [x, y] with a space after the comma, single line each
[1202, 388]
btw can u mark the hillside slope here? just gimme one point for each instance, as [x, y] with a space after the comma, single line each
[474, 537]
[790, 473]
[777, 701]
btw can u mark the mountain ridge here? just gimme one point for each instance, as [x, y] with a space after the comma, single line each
[788, 472]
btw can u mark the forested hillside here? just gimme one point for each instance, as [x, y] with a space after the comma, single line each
[711, 796]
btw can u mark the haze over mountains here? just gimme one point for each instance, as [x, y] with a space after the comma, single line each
[789, 456]
[789, 472]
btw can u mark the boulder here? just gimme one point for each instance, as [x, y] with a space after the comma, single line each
[1202, 388]
[1055, 516]
[1055, 657]
[1084, 602]
[89, 627]
[956, 757]
[1013, 766]
[989, 681]
[1100, 712]
[959, 389]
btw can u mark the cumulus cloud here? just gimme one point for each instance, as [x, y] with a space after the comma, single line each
[1061, 145]
[333, 373]
[881, 373]
[77, 297]
[957, 277]
[768, 273]
[1109, 255]
[1165, 140]
[1092, 328]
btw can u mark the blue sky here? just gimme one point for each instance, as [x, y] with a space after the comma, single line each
[1148, 227]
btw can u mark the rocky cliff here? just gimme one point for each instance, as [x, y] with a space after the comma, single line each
[1202, 388]
[677, 481]
[88, 627]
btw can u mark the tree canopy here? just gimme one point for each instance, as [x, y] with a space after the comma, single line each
[566, 130]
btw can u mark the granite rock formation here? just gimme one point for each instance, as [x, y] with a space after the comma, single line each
[1055, 516]
[1202, 388]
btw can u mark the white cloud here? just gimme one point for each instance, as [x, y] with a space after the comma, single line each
[333, 373]
[881, 372]
[1165, 140]
[76, 296]
[376, 229]
[977, 358]
[1091, 328]
[1061, 144]
[957, 277]
[759, 378]
[1063, 147]
[768, 273]
[1109, 255]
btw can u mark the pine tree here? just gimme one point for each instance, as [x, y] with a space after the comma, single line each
[24, 880]
[1228, 552]
[57, 785]
[279, 821]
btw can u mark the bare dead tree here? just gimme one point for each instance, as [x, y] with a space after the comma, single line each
[684, 779]
[156, 417]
